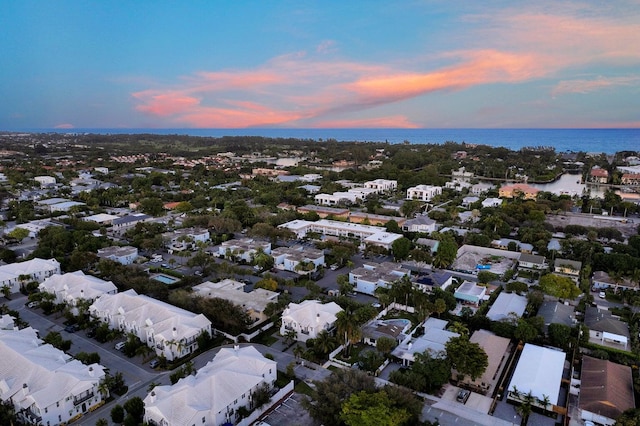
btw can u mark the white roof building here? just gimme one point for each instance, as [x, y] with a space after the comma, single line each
[423, 192]
[539, 371]
[44, 384]
[309, 318]
[506, 304]
[370, 276]
[243, 249]
[289, 259]
[74, 286]
[124, 255]
[433, 341]
[214, 394]
[13, 274]
[171, 331]
[382, 185]
[254, 302]
[367, 233]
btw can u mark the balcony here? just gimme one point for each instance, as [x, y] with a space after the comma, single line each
[77, 400]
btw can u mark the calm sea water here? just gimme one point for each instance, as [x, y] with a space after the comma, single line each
[587, 140]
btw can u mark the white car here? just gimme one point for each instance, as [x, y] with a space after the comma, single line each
[602, 295]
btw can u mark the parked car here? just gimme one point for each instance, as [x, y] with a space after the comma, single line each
[72, 328]
[120, 345]
[154, 363]
[602, 295]
[91, 332]
[463, 395]
[33, 305]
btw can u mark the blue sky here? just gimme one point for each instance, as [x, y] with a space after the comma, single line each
[215, 64]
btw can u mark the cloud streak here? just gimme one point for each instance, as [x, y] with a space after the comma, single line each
[320, 90]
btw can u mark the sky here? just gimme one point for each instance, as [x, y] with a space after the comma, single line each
[319, 64]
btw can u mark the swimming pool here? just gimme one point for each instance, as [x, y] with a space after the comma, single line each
[165, 279]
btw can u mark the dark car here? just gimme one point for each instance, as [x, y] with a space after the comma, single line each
[71, 328]
[91, 332]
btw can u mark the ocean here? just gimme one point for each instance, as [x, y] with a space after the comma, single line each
[607, 141]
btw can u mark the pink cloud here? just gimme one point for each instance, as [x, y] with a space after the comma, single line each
[164, 104]
[302, 89]
[64, 126]
[588, 86]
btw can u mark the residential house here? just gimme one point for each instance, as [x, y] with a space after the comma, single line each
[254, 302]
[421, 223]
[491, 202]
[497, 350]
[423, 192]
[433, 342]
[598, 175]
[337, 198]
[124, 255]
[309, 318]
[432, 245]
[631, 179]
[506, 306]
[215, 394]
[532, 261]
[516, 245]
[470, 293]
[462, 175]
[606, 391]
[101, 219]
[16, 274]
[468, 201]
[122, 224]
[298, 259]
[172, 332]
[45, 180]
[602, 280]
[44, 385]
[481, 188]
[185, 238]
[433, 279]
[553, 312]
[75, 287]
[528, 192]
[605, 329]
[370, 276]
[382, 185]
[539, 374]
[395, 329]
[35, 226]
[568, 268]
[243, 250]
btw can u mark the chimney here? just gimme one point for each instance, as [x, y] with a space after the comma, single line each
[153, 396]
[175, 332]
[91, 373]
[25, 389]
[236, 348]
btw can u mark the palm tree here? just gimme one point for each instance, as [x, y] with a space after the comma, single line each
[324, 342]
[348, 326]
[545, 401]
[290, 336]
[298, 351]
